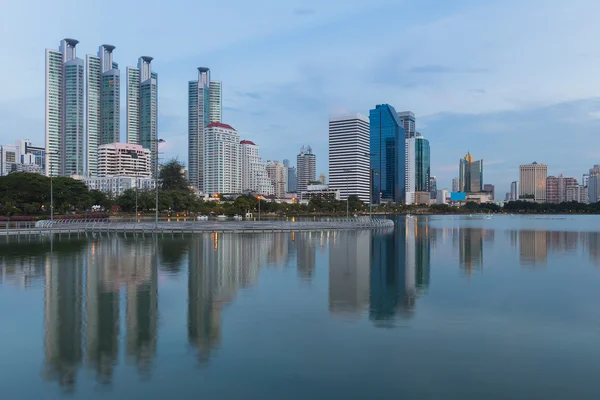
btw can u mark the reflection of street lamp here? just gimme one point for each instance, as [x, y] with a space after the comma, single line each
[158, 141]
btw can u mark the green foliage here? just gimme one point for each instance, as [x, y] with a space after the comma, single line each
[171, 176]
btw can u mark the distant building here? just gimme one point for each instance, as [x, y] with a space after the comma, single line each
[255, 178]
[278, 175]
[292, 180]
[323, 179]
[319, 191]
[455, 184]
[222, 159]
[470, 175]
[123, 159]
[533, 182]
[117, 185]
[488, 188]
[387, 137]
[433, 187]
[422, 198]
[594, 184]
[408, 122]
[307, 165]
[578, 193]
[514, 191]
[22, 157]
[556, 188]
[442, 196]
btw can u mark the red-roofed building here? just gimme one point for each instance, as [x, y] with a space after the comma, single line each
[219, 125]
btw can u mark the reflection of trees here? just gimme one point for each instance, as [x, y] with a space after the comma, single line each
[172, 252]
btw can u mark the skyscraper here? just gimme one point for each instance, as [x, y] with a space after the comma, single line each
[417, 167]
[432, 187]
[514, 191]
[349, 155]
[455, 184]
[489, 188]
[387, 144]
[222, 159]
[408, 122]
[292, 180]
[533, 182]
[307, 166]
[470, 175]
[102, 104]
[204, 107]
[142, 107]
[64, 110]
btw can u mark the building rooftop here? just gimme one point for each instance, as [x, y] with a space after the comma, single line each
[219, 125]
[247, 142]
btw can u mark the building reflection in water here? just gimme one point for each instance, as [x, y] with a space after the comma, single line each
[82, 306]
[400, 265]
[306, 248]
[349, 261]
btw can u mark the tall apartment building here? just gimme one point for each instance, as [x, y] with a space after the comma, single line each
[408, 122]
[594, 184]
[578, 193]
[387, 148]
[64, 110]
[278, 174]
[307, 167]
[532, 179]
[142, 107]
[489, 188]
[470, 175]
[556, 188]
[103, 104]
[254, 172]
[123, 159]
[222, 159]
[204, 107]
[349, 159]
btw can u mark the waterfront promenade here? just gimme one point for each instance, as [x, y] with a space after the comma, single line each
[189, 227]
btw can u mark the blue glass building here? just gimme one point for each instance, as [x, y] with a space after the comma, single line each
[387, 155]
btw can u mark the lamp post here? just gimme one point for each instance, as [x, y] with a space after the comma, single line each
[158, 141]
[258, 197]
[370, 184]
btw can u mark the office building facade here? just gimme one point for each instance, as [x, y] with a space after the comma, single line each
[387, 148]
[64, 127]
[470, 177]
[222, 159]
[306, 163]
[532, 179]
[489, 188]
[577, 193]
[408, 122]
[514, 191]
[349, 160]
[556, 188]
[103, 104]
[417, 167]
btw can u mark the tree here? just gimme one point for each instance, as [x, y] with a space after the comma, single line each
[171, 176]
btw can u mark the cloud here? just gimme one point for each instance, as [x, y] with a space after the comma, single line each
[305, 11]
[443, 69]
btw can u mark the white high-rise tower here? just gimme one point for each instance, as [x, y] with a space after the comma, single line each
[64, 110]
[204, 107]
[349, 155]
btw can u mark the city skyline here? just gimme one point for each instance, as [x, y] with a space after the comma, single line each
[453, 95]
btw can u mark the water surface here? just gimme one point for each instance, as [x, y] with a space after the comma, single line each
[440, 307]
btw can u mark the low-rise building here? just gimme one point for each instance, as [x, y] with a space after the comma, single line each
[319, 191]
[117, 185]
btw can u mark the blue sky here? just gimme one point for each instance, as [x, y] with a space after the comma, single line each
[511, 81]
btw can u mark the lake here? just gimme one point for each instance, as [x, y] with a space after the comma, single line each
[441, 307]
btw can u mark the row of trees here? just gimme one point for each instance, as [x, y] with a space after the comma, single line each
[29, 194]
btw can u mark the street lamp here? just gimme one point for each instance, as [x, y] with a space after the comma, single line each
[158, 141]
[258, 197]
[370, 184]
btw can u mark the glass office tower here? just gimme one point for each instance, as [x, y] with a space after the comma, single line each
[387, 137]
